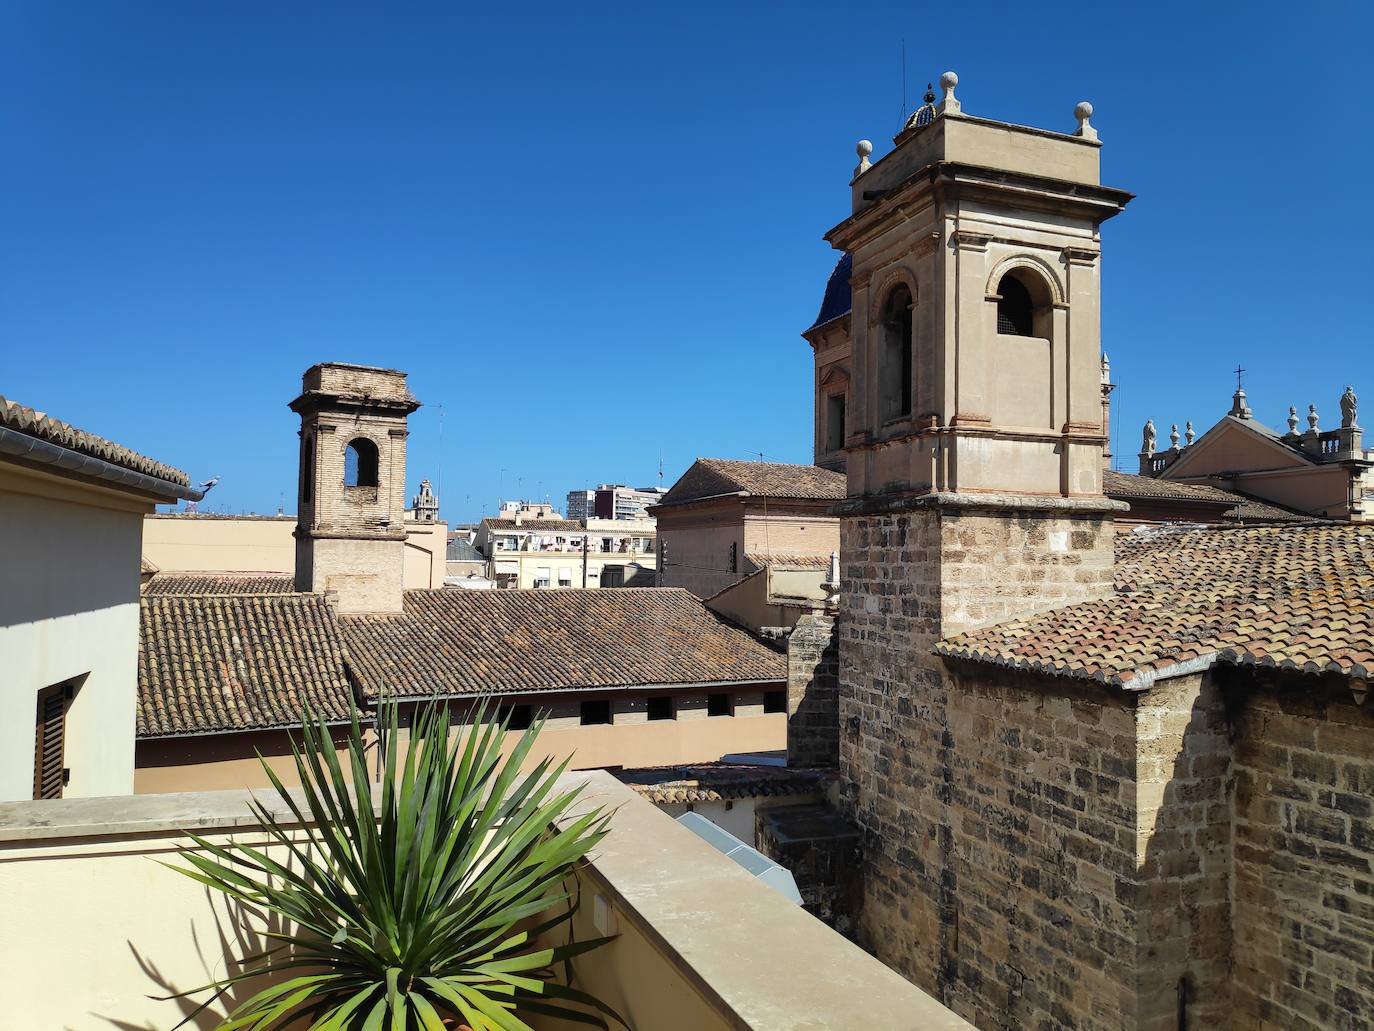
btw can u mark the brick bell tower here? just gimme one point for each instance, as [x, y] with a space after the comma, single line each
[350, 534]
[973, 449]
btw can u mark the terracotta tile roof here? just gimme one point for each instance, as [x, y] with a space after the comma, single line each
[1293, 597]
[14, 416]
[788, 561]
[718, 782]
[210, 664]
[532, 525]
[220, 583]
[466, 642]
[1238, 507]
[709, 477]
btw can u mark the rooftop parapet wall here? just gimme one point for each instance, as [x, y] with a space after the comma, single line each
[700, 944]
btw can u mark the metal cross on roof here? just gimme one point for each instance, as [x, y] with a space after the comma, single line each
[1239, 373]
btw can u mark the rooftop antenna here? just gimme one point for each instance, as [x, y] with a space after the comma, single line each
[660, 468]
[759, 453]
[901, 116]
[440, 406]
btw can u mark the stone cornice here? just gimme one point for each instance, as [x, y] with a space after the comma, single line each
[992, 502]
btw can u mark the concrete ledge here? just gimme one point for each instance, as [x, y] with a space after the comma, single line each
[980, 502]
[763, 963]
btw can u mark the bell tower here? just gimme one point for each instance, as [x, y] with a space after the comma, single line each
[975, 308]
[973, 444]
[350, 533]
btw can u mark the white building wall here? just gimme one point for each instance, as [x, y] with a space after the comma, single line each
[69, 562]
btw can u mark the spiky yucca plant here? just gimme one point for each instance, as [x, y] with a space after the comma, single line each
[427, 913]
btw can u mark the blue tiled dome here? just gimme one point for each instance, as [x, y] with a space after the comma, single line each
[838, 299]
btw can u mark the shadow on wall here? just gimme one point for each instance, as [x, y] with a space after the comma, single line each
[1182, 889]
[236, 939]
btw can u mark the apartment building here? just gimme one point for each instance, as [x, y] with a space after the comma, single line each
[540, 553]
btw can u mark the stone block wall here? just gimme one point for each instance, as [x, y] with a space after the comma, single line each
[813, 669]
[1180, 888]
[1304, 859]
[996, 818]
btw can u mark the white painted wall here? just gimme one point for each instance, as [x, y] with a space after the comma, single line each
[69, 574]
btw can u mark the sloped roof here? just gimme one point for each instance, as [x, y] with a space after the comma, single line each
[1293, 597]
[461, 550]
[220, 583]
[532, 524]
[41, 426]
[219, 663]
[709, 477]
[1231, 504]
[720, 781]
[469, 642]
[758, 561]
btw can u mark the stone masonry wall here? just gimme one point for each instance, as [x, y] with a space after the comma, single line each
[813, 669]
[1180, 887]
[995, 815]
[1304, 859]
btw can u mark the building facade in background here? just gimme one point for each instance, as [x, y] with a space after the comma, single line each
[541, 553]
[725, 519]
[72, 509]
[613, 501]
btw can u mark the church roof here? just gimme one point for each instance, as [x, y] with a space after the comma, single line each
[1209, 500]
[710, 477]
[837, 300]
[1292, 597]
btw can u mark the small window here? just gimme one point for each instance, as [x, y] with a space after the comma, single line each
[661, 708]
[718, 705]
[594, 713]
[360, 463]
[541, 576]
[834, 422]
[1014, 308]
[50, 742]
[896, 353]
[308, 468]
[775, 701]
[521, 716]
[565, 576]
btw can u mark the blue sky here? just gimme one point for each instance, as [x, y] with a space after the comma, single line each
[592, 233]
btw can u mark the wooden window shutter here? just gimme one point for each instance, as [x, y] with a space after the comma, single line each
[50, 733]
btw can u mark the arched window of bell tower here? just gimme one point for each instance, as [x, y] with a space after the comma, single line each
[1025, 305]
[360, 463]
[895, 359]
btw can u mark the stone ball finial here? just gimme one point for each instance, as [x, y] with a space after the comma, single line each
[1189, 433]
[1083, 110]
[1312, 419]
[1292, 419]
[863, 148]
[950, 103]
[1173, 435]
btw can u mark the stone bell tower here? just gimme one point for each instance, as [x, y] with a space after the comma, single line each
[973, 448]
[350, 534]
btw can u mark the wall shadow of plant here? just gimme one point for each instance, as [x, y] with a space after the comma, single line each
[240, 930]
